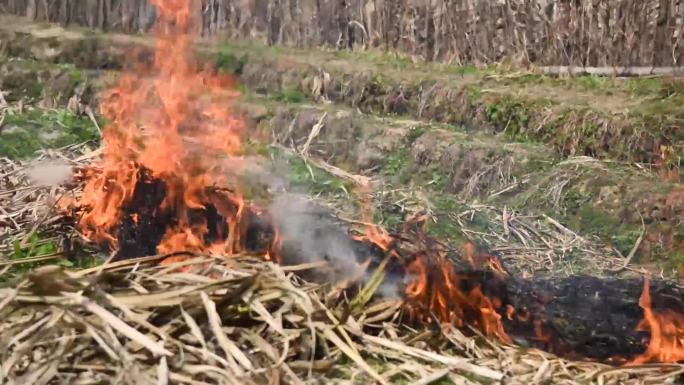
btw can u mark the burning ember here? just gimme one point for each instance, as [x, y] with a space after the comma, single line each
[168, 183]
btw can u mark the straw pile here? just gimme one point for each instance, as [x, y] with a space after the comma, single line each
[231, 320]
[240, 320]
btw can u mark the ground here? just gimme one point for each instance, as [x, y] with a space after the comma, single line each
[599, 157]
[557, 176]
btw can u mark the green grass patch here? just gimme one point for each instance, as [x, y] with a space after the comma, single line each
[395, 162]
[227, 62]
[27, 256]
[510, 116]
[315, 181]
[446, 227]
[389, 60]
[25, 133]
[290, 95]
[36, 247]
[28, 79]
[625, 239]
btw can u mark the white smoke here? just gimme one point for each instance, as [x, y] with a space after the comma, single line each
[389, 288]
[311, 234]
[49, 172]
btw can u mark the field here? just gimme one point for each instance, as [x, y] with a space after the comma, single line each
[556, 176]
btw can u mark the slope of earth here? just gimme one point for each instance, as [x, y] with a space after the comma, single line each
[632, 120]
[516, 160]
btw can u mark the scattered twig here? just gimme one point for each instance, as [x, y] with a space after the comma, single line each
[634, 249]
[89, 112]
[3, 101]
[436, 376]
[315, 130]
[359, 180]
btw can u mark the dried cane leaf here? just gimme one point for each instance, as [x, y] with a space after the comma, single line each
[232, 352]
[119, 325]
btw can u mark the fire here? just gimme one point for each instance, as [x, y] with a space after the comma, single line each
[436, 291]
[376, 235]
[169, 150]
[666, 328]
[169, 124]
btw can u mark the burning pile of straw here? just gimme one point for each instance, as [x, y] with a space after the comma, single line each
[243, 320]
[237, 319]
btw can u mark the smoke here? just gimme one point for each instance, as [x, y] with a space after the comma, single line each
[51, 172]
[310, 234]
[390, 287]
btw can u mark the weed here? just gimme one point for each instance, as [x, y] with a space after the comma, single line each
[27, 132]
[415, 133]
[314, 180]
[445, 227]
[227, 62]
[511, 117]
[625, 239]
[592, 83]
[36, 247]
[290, 96]
[593, 220]
[398, 165]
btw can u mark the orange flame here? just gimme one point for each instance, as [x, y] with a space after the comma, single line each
[372, 232]
[667, 332]
[378, 236]
[435, 291]
[174, 123]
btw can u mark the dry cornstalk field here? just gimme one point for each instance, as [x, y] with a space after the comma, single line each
[604, 34]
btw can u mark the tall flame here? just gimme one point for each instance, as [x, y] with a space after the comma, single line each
[173, 122]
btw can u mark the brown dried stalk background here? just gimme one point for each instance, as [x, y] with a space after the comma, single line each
[544, 32]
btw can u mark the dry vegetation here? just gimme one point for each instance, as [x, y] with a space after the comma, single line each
[237, 320]
[544, 32]
[244, 321]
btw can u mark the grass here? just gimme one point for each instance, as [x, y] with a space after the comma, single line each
[36, 247]
[445, 227]
[27, 79]
[523, 117]
[505, 109]
[45, 246]
[290, 96]
[26, 132]
[394, 60]
[227, 62]
[314, 181]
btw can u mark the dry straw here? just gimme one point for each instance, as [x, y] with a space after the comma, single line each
[236, 319]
